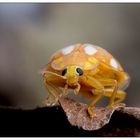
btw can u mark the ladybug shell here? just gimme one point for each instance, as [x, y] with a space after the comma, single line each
[88, 57]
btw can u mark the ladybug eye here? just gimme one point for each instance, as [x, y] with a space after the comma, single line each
[79, 71]
[64, 72]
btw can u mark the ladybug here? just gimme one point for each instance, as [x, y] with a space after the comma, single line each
[88, 70]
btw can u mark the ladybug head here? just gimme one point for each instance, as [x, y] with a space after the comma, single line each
[72, 74]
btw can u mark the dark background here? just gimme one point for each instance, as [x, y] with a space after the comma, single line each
[31, 33]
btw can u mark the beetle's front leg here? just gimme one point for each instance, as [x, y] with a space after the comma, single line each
[52, 98]
[77, 89]
[50, 79]
[98, 91]
[65, 91]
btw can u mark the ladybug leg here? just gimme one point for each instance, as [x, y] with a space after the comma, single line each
[65, 91]
[77, 89]
[112, 83]
[98, 91]
[57, 90]
[52, 98]
[120, 96]
[54, 92]
[94, 100]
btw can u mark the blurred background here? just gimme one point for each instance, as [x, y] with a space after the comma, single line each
[31, 33]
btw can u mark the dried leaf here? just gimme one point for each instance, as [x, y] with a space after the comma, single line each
[78, 116]
[132, 111]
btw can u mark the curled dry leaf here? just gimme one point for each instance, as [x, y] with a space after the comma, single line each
[78, 116]
[131, 111]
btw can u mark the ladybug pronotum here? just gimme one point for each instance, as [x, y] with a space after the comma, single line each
[89, 71]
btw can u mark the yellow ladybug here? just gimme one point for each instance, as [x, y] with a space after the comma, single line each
[88, 70]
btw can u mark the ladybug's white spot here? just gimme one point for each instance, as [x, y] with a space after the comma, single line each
[67, 50]
[90, 50]
[113, 63]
